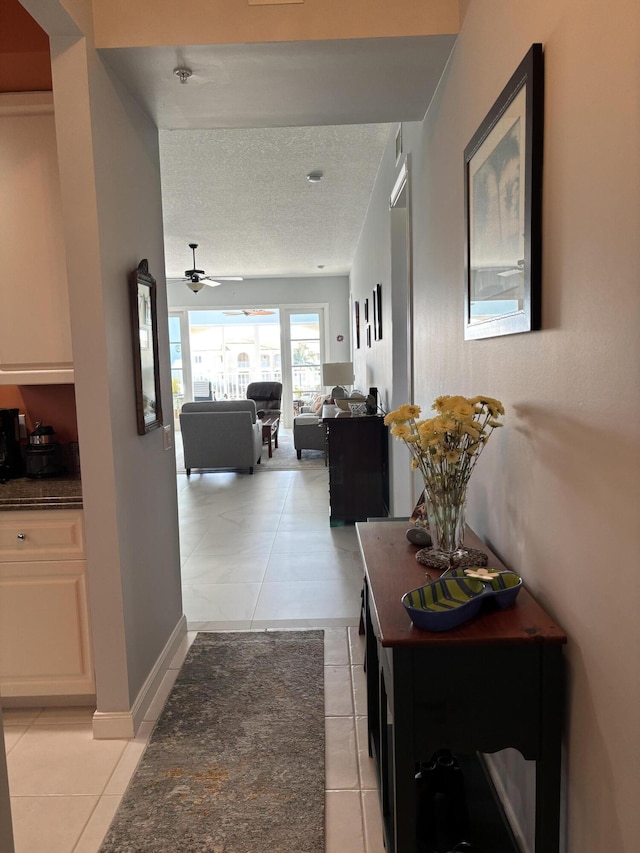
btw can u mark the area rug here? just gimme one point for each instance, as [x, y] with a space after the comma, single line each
[284, 457]
[235, 763]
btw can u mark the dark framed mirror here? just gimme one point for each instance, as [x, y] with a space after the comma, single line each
[144, 327]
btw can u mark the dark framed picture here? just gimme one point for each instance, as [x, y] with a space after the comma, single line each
[369, 335]
[144, 329]
[366, 310]
[378, 320]
[374, 304]
[503, 209]
[356, 321]
[398, 144]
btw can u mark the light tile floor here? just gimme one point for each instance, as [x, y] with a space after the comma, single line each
[257, 552]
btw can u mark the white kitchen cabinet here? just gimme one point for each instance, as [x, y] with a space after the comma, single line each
[45, 639]
[35, 333]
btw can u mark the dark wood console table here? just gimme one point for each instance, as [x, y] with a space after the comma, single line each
[493, 683]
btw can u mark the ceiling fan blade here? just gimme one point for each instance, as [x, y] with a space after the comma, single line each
[223, 277]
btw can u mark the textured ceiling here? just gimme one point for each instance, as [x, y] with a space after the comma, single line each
[238, 139]
[242, 195]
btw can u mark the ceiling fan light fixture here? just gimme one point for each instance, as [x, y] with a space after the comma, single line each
[196, 279]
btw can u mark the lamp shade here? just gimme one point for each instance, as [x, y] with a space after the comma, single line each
[337, 373]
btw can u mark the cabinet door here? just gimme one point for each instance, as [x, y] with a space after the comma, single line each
[45, 647]
[35, 331]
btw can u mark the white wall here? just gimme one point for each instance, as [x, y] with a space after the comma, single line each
[110, 180]
[276, 293]
[557, 492]
[6, 827]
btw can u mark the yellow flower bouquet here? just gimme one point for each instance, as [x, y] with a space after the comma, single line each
[445, 450]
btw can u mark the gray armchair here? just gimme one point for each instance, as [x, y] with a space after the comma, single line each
[222, 434]
[309, 434]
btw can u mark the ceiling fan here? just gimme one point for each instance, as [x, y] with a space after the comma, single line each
[196, 279]
[249, 312]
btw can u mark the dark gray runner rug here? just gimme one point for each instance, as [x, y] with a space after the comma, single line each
[236, 761]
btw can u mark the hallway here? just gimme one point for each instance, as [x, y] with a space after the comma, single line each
[257, 552]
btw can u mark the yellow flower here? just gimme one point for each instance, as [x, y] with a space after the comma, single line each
[472, 429]
[448, 424]
[452, 456]
[402, 414]
[494, 406]
[455, 406]
[401, 431]
[412, 411]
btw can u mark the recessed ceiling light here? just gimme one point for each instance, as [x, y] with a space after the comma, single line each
[315, 177]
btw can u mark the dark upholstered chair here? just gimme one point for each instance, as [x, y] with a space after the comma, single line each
[267, 396]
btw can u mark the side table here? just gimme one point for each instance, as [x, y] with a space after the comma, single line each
[270, 433]
[493, 683]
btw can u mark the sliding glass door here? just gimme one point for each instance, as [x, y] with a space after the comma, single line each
[216, 353]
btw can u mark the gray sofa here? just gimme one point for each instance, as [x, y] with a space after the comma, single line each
[221, 434]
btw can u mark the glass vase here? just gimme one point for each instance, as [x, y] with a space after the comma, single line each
[445, 511]
[445, 515]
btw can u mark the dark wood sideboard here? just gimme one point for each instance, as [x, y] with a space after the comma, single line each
[493, 683]
[358, 451]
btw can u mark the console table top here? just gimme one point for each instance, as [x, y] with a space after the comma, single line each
[391, 570]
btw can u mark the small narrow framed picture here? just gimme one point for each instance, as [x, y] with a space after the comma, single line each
[374, 304]
[356, 322]
[398, 144]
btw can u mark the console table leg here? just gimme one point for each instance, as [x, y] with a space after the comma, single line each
[548, 766]
[403, 759]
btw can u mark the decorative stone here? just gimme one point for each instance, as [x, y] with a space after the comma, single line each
[419, 536]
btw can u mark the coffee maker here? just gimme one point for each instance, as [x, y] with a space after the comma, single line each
[42, 456]
[11, 464]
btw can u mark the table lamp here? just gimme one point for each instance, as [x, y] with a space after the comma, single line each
[338, 374]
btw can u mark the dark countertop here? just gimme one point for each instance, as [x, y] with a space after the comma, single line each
[48, 493]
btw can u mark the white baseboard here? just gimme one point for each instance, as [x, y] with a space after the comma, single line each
[505, 802]
[125, 724]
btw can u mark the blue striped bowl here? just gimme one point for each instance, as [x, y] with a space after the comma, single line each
[503, 588]
[444, 604]
[456, 598]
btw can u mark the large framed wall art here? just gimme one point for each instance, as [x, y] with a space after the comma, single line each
[503, 209]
